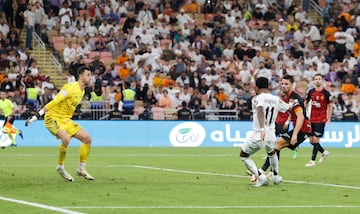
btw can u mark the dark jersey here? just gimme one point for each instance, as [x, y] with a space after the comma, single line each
[281, 118]
[319, 103]
[299, 105]
[184, 114]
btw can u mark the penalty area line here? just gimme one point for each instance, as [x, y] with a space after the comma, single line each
[218, 207]
[42, 206]
[241, 176]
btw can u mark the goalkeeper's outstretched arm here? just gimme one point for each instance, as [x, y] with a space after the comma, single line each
[36, 116]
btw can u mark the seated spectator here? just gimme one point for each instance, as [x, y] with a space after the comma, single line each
[88, 44]
[122, 58]
[145, 15]
[47, 83]
[150, 98]
[349, 115]
[198, 114]
[182, 80]
[13, 42]
[29, 111]
[83, 50]
[115, 114]
[67, 30]
[101, 44]
[183, 18]
[192, 7]
[348, 87]
[69, 53]
[4, 27]
[6, 84]
[104, 28]
[79, 31]
[92, 31]
[46, 96]
[50, 20]
[65, 13]
[97, 64]
[147, 114]
[112, 16]
[165, 101]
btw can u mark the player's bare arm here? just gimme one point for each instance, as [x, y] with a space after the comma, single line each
[298, 124]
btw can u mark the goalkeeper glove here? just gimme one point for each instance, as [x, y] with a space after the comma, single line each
[34, 117]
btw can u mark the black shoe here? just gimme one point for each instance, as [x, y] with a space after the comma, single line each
[21, 134]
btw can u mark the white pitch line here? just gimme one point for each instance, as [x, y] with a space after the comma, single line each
[161, 155]
[42, 206]
[219, 207]
[241, 176]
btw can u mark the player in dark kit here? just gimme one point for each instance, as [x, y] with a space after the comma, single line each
[320, 114]
[184, 113]
[302, 126]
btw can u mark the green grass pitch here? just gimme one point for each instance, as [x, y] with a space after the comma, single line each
[175, 180]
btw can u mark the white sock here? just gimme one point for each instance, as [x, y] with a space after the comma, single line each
[82, 165]
[250, 165]
[61, 166]
[274, 163]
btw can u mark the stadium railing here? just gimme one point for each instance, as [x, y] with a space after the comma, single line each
[91, 110]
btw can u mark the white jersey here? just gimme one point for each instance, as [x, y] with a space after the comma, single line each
[271, 105]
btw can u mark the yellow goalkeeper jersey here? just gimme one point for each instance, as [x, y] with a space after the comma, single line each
[65, 102]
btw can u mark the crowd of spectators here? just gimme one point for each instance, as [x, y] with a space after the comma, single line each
[205, 54]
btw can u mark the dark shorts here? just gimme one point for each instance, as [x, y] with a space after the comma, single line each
[301, 137]
[279, 129]
[318, 129]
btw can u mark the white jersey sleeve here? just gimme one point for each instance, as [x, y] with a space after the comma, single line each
[283, 106]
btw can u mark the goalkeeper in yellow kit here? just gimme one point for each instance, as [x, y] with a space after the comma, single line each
[57, 119]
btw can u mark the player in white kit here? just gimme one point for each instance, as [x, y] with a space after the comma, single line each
[265, 107]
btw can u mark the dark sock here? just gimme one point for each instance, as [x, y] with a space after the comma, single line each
[266, 165]
[320, 148]
[278, 154]
[314, 152]
[316, 148]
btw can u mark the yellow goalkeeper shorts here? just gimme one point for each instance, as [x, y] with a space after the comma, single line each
[55, 124]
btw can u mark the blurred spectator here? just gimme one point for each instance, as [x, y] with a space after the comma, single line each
[349, 115]
[147, 114]
[97, 64]
[46, 96]
[184, 113]
[128, 99]
[347, 86]
[165, 100]
[29, 17]
[32, 95]
[115, 114]
[6, 84]
[69, 53]
[29, 111]
[65, 13]
[39, 17]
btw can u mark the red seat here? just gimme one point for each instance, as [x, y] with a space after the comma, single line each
[92, 54]
[81, 12]
[106, 54]
[58, 39]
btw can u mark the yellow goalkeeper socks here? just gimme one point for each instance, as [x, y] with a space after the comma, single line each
[62, 154]
[84, 152]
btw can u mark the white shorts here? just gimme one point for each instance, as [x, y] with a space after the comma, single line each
[253, 143]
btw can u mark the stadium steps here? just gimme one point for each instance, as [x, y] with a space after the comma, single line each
[43, 62]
